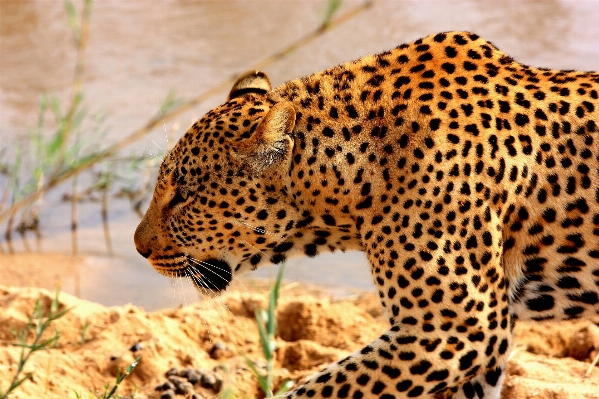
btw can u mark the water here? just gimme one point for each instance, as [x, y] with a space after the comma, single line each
[138, 51]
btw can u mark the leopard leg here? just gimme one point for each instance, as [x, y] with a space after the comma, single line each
[485, 386]
[450, 316]
[482, 386]
[406, 363]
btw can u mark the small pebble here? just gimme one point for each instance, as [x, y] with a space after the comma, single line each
[185, 372]
[184, 388]
[165, 386]
[208, 380]
[176, 380]
[218, 350]
[168, 395]
[193, 377]
[197, 396]
[218, 384]
[136, 347]
[173, 371]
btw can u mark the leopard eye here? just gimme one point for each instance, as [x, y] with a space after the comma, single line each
[180, 197]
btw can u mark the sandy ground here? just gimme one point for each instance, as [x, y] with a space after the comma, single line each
[206, 344]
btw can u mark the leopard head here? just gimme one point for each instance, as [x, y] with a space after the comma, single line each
[222, 201]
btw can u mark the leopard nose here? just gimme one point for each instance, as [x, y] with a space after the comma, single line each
[141, 238]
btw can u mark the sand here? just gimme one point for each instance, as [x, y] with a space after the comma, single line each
[201, 349]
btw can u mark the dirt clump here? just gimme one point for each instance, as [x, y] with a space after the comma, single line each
[328, 324]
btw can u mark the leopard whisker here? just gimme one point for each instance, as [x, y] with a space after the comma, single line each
[181, 296]
[154, 155]
[208, 281]
[200, 309]
[164, 153]
[173, 283]
[200, 284]
[208, 291]
[205, 279]
[262, 230]
[167, 152]
[259, 250]
[208, 266]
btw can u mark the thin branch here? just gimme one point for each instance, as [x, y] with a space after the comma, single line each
[173, 113]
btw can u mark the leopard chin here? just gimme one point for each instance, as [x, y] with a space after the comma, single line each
[211, 274]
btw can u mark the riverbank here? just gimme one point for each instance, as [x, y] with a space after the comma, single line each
[206, 343]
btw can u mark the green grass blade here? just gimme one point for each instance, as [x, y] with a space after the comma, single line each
[44, 344]
[286, 385]
[16, 384]
[259, 377]
[271, 322]
[59, 314]
[331, 10]
[14, 181]
[277, 286]
[72, 19]
[55, 303]
[132, 366]
[263, 335]
[272, 306]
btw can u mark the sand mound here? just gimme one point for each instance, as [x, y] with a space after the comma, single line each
[198, 350]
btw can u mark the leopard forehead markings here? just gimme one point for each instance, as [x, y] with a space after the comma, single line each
[465, 176]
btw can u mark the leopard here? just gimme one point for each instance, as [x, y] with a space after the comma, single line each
[464, 176]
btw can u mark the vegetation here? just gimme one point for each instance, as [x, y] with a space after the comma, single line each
[70, 150]
[64, 143]
[61, 152]
[331, 10]
[38, 324]
[119, 378]
[51, 157]
[267, 327]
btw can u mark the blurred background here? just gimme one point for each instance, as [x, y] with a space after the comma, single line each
[92, 94]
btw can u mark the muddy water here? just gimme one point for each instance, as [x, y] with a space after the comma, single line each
[138, 51]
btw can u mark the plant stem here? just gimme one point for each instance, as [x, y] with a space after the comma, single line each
[74, 217]
[81, 35]
[35, 216]
[39, 327]
[105, 217]
[61, 176]
[9, 228]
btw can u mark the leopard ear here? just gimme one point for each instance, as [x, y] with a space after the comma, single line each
[271, 143]
[250, 82]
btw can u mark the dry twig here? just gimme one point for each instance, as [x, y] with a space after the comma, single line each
[156, 121]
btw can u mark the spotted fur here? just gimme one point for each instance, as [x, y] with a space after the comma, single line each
[465, 176]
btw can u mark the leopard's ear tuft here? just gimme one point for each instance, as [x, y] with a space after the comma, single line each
[271, 143]
[250, 82]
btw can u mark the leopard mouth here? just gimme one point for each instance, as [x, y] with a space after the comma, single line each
[211, 274]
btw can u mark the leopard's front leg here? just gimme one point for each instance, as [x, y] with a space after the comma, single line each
[407, 363]
[448, 306]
